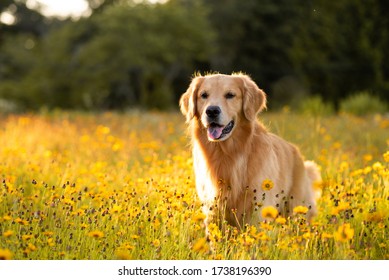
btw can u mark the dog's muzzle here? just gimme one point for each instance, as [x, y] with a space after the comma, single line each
[217, 131]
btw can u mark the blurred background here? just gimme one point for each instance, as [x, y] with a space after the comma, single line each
[121, 54]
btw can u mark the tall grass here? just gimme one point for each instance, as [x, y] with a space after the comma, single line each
[109, 186]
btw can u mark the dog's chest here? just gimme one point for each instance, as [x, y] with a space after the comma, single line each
[221, 176]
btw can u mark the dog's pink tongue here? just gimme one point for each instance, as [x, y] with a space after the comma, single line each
[214, 132]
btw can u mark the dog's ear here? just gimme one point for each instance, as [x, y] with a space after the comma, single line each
[188, 99]
[254, 99]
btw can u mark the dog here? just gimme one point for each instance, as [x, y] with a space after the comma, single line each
[234, 155]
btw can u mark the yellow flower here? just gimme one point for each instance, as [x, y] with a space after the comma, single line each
[31, 247]
[7, 218]
[344, 233]
[156, 243]
[116, 209]
[26, 237]
[307, 235]
[281, 220]
[325, 236]
[199, 217]
[266, 226]
[267, 185]
[201, 246]
[50, 242]
[386, 156]
[343, 166]
[5, 254]
[216, 257]
[8, 233]
[103, 130]
[96, 234]
[377, 166]
[123, 254]
[214, 232]
[367, 157]
[300, 209]
[21, 222]
[269, 212]
[343, 206]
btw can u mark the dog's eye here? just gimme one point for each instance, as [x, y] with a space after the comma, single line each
[204, 95]
[229, 95]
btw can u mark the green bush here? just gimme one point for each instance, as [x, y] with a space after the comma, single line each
[315, 106]
[363, 103]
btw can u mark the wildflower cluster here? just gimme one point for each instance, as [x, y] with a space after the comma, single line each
[110, 186]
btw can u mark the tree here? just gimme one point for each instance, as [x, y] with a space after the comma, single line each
[126, 55]
[293, 48]
[342, 48]
[255, 37]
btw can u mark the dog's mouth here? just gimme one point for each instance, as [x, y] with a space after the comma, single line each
[217, 131]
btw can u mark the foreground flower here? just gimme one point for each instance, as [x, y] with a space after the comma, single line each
[123, 254]
[5, 254]
[269, 212]
[201, 246]
[214, 232]
[199, 217]
[300, 210]
[267, 185]
[344, 233]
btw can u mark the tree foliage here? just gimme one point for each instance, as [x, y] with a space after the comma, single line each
[125, 55]
[134, 53]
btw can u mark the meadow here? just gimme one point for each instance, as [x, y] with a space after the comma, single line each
[120, 186]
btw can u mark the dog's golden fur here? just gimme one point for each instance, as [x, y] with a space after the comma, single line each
[234, 153]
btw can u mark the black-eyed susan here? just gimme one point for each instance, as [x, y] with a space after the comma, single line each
[342, 206]
[269, 212]
[201, 246]
[156, 243]
[214, 232]
[21, 221]
[5, 254]
[7, 218]
[96, 234]
[27, 237]
[135, 236]
[31, 247]
[8, 233]
[116, 209]
[267, 185]
[344, 233]
[199, 217]
[300, 209]
[50, 242]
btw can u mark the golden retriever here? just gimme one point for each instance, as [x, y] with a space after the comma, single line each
[239, 166]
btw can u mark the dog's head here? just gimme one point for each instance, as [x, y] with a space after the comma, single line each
[221, 102]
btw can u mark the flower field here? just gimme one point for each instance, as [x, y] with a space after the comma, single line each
[121, 186]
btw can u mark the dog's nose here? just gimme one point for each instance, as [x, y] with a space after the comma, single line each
[213, 111]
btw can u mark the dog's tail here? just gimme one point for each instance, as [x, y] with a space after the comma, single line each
[313, 171]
